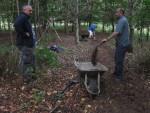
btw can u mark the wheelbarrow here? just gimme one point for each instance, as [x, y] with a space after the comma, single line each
[91, 76]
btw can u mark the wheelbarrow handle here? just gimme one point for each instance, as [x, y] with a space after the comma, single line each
[101, 43]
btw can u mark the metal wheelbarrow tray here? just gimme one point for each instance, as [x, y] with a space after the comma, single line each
[90, 75]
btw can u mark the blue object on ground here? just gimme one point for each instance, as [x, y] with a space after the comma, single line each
[56, 48]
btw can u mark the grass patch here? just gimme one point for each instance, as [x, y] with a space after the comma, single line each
[46, 39]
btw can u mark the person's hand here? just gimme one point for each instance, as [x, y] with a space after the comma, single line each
[27, 34]
[104, 40]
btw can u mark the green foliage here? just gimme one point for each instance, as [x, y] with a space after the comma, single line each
[5, 49]
[45, 57]
[9, 56]
[46, 38]
[25, 106]
[57, 96]
[38, 95]
[64, 11]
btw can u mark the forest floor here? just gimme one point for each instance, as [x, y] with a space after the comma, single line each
[43, 96]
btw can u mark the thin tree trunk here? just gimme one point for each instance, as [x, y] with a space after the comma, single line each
[77, 22]
[35, 16]
[0, 23]
[17, 4]
[147, 34]
[53, 22]
[66, 25]
[38, 21]
[72, 27]
[130, 14]
[112, 23]
[29, 2]
[8, 23]
[103, 26]
[3, 21]
[141, 31]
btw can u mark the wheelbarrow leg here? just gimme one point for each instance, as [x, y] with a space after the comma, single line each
[85, 81]
[98, 81]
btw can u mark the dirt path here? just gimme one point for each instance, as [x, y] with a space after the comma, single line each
[131, 96]
[127, 97]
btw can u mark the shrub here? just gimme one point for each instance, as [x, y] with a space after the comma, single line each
[9, 60]
[141, 59]
[45, 57]
[46, 38]
[38, 95]
[9, 57]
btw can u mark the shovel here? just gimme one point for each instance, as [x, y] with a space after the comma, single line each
[94, 54]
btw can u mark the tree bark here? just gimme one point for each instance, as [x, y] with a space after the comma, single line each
[66, 26]
[0, 23]
[112, 23]
[29, 2]
[17, 4]
[77, 22]
[103, 26]
[147, 34]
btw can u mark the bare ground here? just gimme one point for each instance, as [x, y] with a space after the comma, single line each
[130, 96]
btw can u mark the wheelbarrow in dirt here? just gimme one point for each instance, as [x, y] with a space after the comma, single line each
[90, 75]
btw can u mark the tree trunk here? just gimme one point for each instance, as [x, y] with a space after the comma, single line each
[147, 34]
[3, 21]
[0, 23]
[8, 23]
[72, 29]
[77, 31]
[53, 22]
[35, 15]
[17, 4]
[77, 22]
[29, 2]
[130, 14]
[66, 26]
[141, 34]
[103, 26]
[112, 23]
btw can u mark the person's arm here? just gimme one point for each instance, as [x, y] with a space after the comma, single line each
[113, 35]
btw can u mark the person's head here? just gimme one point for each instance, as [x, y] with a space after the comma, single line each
[119, 12]
[27, 9]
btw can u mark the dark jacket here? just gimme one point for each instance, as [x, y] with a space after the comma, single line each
[23, 26]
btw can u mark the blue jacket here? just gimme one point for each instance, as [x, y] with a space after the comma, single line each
[92, 27]
[23, 26]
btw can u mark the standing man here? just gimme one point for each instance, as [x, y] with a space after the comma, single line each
[25, 43]
[91, 30]
[122, 42]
